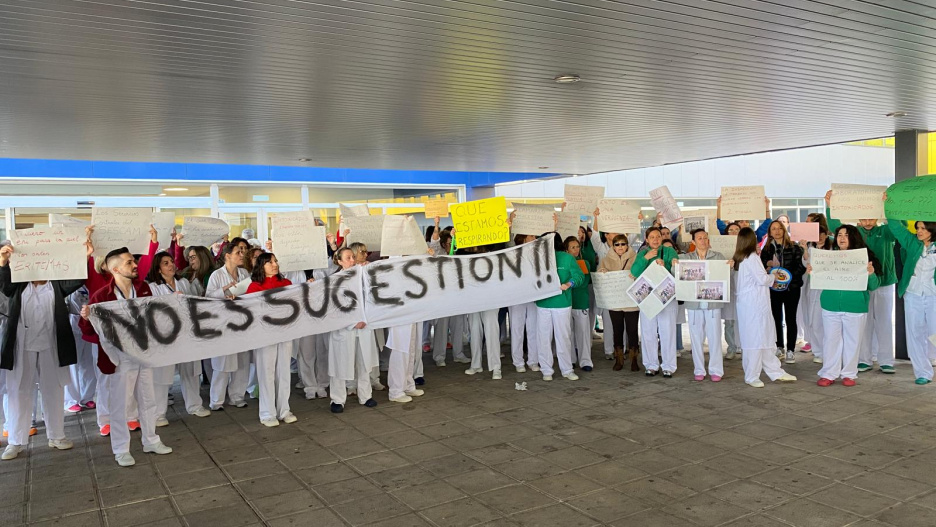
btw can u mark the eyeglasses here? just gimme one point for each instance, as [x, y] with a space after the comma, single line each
[620, 245]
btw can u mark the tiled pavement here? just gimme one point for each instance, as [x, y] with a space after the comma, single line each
[615, 448]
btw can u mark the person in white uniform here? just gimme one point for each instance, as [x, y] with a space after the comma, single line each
[755, 320]
[230, 373]
[403, 342]
[705, 318]
[729, 311]
[601, 250]
[38, 346]
[82, 385]
[163, 279]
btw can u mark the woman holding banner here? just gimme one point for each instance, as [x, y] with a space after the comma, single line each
[844, 314]
[523, 322]
[230, 373]
[622, 320]
[554, 315]
[662, 326]
[273, 376]
[163, 279]
[755, 323]
[917, 286]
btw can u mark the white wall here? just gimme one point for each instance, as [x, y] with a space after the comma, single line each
[802, 173]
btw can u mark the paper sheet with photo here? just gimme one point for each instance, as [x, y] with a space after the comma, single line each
[582, 199]
[664, 203]
[653, 290]
[695, 219]
[532, 220]
[611, 289]
[839, 270]
[619, 216]
[703, 281]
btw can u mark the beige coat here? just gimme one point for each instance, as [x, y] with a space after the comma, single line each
[613, 262]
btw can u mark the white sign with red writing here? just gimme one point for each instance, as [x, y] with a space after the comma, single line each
[49, 253]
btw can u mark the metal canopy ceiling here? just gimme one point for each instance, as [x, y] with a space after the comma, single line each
[457, 85]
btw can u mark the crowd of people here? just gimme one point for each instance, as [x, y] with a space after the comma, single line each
[49, 346]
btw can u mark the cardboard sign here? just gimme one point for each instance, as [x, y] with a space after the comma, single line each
[121, 227]
[533, 220]
[582, 199]
[912, 199]
[743, 203]
[611, 290]
[436, 208]
[703, 281]
[365, 229]
[203, 230]
[619, 216]
[569, 223]
[726, 245]
[653, 290]
[401, 237]
[807, 232]
[164, 222]
[839, 270]
[354, 211]
[857, 202]
[664, 204]
[65, 220]
[480, 222]
[48, 253]
[297, 242]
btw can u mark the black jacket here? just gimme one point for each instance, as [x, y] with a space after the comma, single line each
[64, 338]
[790, 258]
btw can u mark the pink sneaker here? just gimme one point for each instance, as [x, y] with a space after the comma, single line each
[73, 409]
[90, 405]
[807, 347]
[699, 377]
[716, 378]
[426, 348]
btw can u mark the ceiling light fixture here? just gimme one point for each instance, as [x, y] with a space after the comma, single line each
[896, 114]
[304, 159]
[543, 168]
[567, 78]
[175, 189]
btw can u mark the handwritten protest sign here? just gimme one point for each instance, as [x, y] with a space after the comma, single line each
[164, 222]
[48, 253]
[65, 220]
[839, 270]
[664, 204]
[203, 230]
[298, 243]
[568, 224]
[582, 199]
[806, 232]
[354, 210]
[121, 227]
[480, 222]
[912, 199]
[653, 290]
[365, 229]
[703, 281]
[857, 202]
[726, 245]
[169, 329]
[611, 290]
[401, 237]
[436, 208]
[619, 216]
[533, 220]
[743, 203]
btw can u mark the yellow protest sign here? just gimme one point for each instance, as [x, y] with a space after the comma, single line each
[480, 222]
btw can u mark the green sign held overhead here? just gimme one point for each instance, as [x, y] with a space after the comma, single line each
[913, 199]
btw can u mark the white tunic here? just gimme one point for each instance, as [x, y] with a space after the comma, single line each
[755, 322]
[36, 332]
[164, 375]
[215, 289]
[921, 283]
[341, 352]
[400, 338]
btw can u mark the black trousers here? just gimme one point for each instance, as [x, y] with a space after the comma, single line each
[785, 303]
[622, 321]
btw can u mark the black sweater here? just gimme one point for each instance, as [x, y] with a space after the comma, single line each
[790, 258]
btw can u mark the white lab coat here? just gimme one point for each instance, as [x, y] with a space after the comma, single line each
[165, 375]
[216, 282]
[341, 351]
[755, 322]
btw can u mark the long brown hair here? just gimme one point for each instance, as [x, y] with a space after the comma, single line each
[747, 245]
[787, 242]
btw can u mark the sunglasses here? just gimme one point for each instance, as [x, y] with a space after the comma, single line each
[620, 245]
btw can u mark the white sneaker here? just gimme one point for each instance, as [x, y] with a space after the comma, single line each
[609, 357]
[352, 392]
[790, 357]
[679, 354]
[817, 360]
[299, 385]
[61, 444]
[786, 377]
[269, 423]
[11, 451]
[415, 393]
[780, 352]
[756, 384]
[161, 421]
[440, 363]
[472, 371]
[547, 378]
[521, 369]
[463, 360]
[201, 411]
[496, 376]
[571, 376]
[377, 387]
[321, 394]
[158, 448]
[401, 399]
[534, 367]
[729, 355]
[125, 459]
[290, 418]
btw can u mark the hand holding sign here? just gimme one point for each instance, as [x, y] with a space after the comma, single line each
[47, 253]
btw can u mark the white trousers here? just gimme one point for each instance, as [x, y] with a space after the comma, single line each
[921, 323]
[662, 326]
[82, 383]
[582, 338]
[814, 330]
[608, 336]
[138, 379]
[234, 384]
[362, 379]
[33, 367]
[878, 337]
[554, 324]
[706, 324]
[273, 380]
[188, 381]
[842, 334]
[454, 325]
[523, 317]
[102, 409]
[313, 363]
[485, 332]
[400, 373]
[732, 337]
[756, 360]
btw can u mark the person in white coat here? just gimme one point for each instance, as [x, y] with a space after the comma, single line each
[601, 250]
[705, 318]
[523, 323]
[403, 342]
[755, 320]
[38, 346]
[230, 373]
[729, 311]
[352, 354]
[163, 279]
[80, 392]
